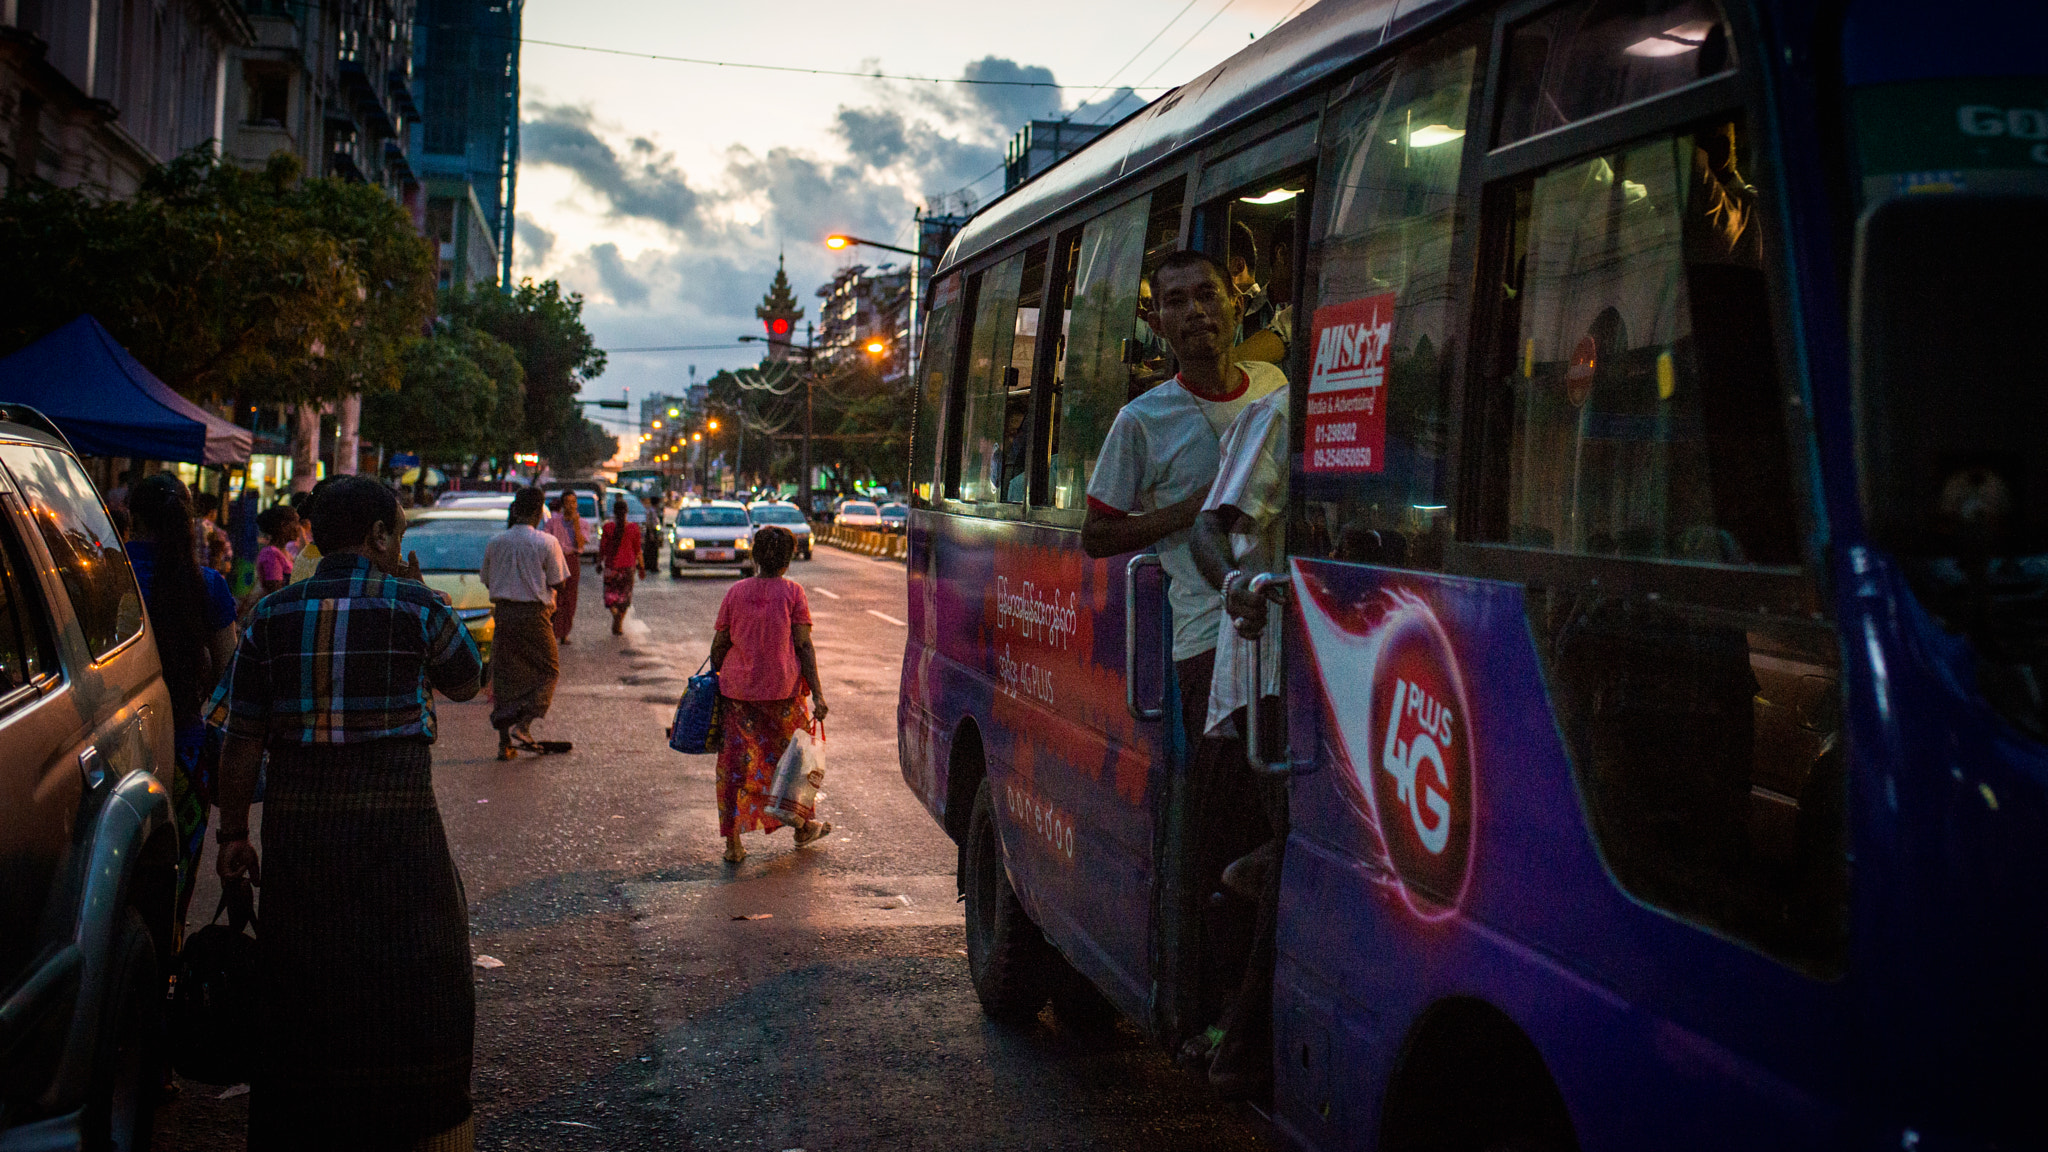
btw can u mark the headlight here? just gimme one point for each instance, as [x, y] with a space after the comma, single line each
[742, 545]
[685, 543]
[469, 614]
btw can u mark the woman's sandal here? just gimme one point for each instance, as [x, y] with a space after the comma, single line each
[816, 829]
[734, 854]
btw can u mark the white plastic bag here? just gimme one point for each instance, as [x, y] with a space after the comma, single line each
[793, 798]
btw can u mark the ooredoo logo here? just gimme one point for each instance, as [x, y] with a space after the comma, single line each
[1406, 740]
[1422, 777]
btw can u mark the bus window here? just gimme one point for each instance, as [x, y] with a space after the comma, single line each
[942, 332]
[1102, 329]
[1376, 428]
[993, 374]
[1580, 59]
[1636, 416]
[1065, 266]
[1260, 256]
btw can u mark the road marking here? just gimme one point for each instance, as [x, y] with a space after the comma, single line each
[825, 592]
[889, 618]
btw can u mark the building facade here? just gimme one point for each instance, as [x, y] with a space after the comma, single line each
[861, 308]
[465, 144]
[98, 93]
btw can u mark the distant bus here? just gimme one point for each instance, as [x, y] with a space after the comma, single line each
[1663, 713]
[647, 483]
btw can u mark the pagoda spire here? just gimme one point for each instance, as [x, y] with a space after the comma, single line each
[778, 312]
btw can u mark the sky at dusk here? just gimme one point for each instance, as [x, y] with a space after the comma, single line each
[664, 191]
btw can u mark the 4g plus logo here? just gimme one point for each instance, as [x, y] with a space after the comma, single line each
[1422, 785]
[1407, 738]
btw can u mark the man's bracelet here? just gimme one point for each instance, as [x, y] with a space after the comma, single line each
[227, 836]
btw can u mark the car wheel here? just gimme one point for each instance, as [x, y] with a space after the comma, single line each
[127, 1068]
[1008, 959]
[675, 573]
[746, 570]
[805, 554]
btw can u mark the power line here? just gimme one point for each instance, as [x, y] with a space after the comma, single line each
[1290, 13]
[1134, 56]
[677, 348]
[1140, 85]
[794, 68]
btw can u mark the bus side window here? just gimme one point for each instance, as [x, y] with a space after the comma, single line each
[1102, 329]
[1374, 427]
[941, 344]
[1632, 410]
[992, 381]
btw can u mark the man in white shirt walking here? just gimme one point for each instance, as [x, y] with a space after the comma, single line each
[1155, 471]
[523, 567]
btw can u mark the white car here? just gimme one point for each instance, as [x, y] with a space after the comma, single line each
[860, 514]
[785, 516]
[717, 534]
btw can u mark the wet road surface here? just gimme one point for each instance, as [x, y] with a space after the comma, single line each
[638, 1009]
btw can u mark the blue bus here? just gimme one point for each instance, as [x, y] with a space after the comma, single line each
[1663, 707]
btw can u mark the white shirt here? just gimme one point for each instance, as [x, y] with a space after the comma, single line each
[1162, 449]
[524, 563]
[1253, 480]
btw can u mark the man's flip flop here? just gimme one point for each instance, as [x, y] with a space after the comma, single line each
[544, 746]
[818, 830]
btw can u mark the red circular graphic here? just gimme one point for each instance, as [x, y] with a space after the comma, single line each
[1421, 758]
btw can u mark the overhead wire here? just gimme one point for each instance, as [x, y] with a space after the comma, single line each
[1134, 57]
[1140, 85]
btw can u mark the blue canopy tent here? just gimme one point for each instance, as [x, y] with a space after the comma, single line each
[108, 404]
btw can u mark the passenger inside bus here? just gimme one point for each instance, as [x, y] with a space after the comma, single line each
[1266, 330]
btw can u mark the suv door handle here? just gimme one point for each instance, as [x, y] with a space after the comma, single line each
[92, 767]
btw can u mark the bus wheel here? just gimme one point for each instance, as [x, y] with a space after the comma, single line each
[1007, 956]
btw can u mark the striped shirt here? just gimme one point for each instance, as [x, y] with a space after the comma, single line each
[348, 656]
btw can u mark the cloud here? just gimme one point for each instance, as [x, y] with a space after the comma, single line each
[618, 283]
[645, 184]
[876, 136]
[532, 243]
[1007, 106]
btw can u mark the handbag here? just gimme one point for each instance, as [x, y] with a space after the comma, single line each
[695, 731]
[212, 1013]
[793, 798]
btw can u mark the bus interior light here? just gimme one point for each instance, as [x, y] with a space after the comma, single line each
[1276, 196]
[1431, 135]
[1687, 37]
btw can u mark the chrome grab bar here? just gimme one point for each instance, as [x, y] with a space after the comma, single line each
[1271, 587]
[1146, 560]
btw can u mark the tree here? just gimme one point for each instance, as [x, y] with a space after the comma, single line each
[225, 282]
[544, 329]
[443, 407]
[583, 445]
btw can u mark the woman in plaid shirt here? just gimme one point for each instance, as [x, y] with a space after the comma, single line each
[368, 1011]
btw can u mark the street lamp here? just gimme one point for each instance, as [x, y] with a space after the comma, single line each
[837, 241]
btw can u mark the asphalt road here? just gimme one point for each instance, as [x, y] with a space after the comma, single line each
[638, 1008]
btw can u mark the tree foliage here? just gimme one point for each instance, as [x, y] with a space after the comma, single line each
[544, 328]
[460, 397]
[225, 282]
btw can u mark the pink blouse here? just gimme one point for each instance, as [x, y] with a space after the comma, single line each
[757, 614]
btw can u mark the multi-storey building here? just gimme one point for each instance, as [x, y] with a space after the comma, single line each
[98, 93]
[330, 83]
[864, 307]
[466, 144]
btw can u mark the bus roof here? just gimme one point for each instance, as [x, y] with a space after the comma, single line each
[1308, 48]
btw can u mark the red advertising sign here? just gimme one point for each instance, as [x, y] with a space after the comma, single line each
[1347, 387]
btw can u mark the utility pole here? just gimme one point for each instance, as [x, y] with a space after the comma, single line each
[803, 484]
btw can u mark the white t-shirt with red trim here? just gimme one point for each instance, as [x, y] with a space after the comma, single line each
[1162, 449]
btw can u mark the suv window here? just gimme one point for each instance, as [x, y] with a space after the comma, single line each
[24, 631]
[82, 541]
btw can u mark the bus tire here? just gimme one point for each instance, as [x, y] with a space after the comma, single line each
[120, 1106]
[1008, 959]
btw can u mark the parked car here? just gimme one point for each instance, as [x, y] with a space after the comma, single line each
[860, 514]
[895, 517]
[785, 516]
[498, 500]
[715, 534]
[88, 845]
[450, 543]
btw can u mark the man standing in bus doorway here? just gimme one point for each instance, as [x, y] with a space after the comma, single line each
[1151, 480]
[1241, 533]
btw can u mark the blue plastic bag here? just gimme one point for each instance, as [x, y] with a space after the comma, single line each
[695, 731]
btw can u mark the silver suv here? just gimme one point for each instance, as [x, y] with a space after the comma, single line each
[88, 847]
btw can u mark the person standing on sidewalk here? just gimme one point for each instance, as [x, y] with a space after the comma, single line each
[525, 571]
[618, 551]
[762, 655]
[367, 1027]
[566, 526]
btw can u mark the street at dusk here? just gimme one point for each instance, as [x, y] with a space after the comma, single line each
[1167, 576]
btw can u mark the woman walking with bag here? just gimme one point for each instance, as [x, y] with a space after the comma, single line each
[766, 666]
[618, 550]
[566, 526]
